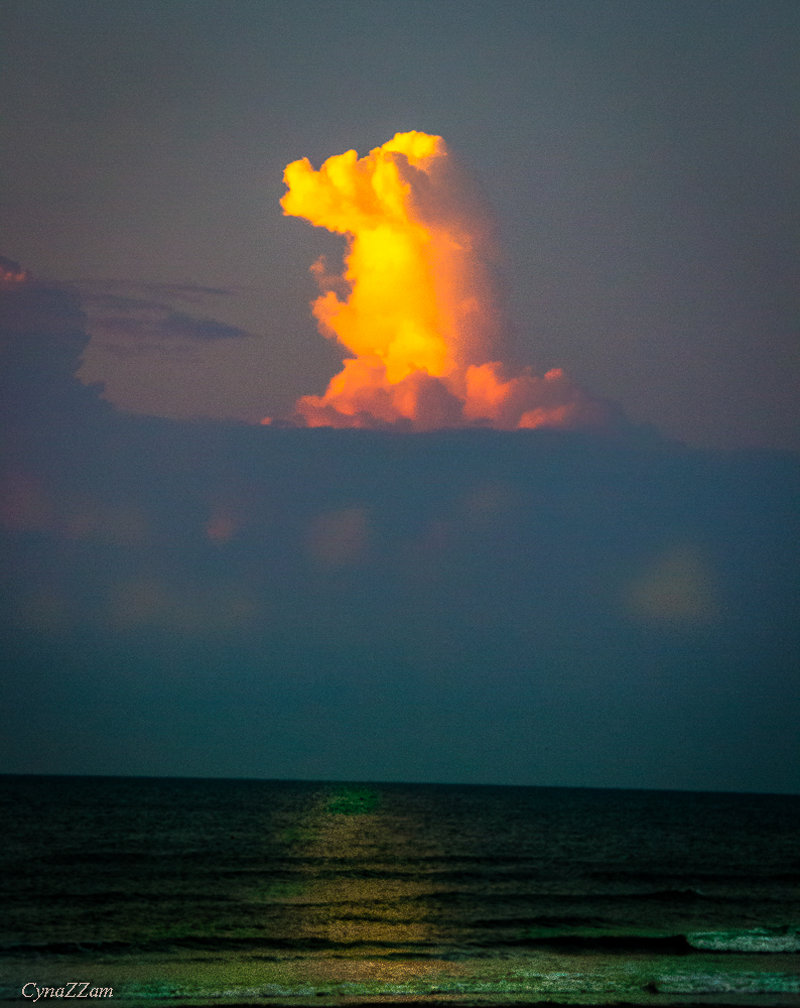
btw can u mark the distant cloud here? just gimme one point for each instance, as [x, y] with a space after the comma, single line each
[32, 311]
[42, 339]
[142, 290]
[190, 292]
[126, 316]
[183, 326]
[11, 272]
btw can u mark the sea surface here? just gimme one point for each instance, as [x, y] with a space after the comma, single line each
[181, 892]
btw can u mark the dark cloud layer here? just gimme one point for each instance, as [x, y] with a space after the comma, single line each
[42, 339]
[526, 607]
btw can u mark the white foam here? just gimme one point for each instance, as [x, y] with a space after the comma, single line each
[731, 983]
[752, 940]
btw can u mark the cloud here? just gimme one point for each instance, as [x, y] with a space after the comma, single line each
[126, 317]
[180, 326]
[35, 315]
[42, 340]
[415, 308]
[543, 570]
[11, 273]
[188, 292]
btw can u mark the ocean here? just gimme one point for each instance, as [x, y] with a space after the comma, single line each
[156, 891]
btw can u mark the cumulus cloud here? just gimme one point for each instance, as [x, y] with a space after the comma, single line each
[415, 309]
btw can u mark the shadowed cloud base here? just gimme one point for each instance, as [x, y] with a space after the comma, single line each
[519, 607]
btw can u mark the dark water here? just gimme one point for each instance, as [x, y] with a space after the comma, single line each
[196, 891]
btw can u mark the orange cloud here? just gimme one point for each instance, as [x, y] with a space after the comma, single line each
[414, 308]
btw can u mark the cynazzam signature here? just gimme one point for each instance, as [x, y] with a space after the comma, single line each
[74, 989]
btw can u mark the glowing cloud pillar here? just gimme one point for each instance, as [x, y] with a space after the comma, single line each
[413, 305]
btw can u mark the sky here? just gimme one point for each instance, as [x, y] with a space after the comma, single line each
[609, 601]
[639, 160]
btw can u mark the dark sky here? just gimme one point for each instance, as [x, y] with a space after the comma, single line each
[212, 597]
[524, 607]
[640, 158]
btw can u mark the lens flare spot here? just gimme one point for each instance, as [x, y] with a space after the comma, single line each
[339, 538]
[677, 586]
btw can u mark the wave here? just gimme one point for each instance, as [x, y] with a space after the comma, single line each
[64, 948]
[551, 988]
[757, 939]
[485, 936]
[255, 945]
[579, 896]
[674, 944]
[574, 922]
[774, 940]
[726, 983]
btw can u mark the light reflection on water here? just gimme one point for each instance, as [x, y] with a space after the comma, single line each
[342, 829]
